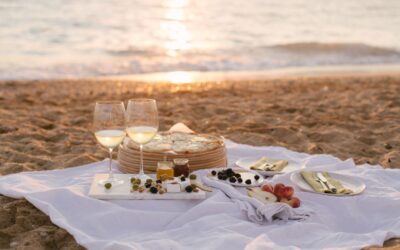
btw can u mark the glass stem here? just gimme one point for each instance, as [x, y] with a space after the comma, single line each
[141, 171]
[110, 173]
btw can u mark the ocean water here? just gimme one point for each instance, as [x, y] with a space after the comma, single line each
[75, 38]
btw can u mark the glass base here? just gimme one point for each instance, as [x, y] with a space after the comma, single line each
[143, 177]
[114, 181]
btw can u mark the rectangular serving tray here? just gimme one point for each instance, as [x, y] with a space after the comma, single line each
[123, 192]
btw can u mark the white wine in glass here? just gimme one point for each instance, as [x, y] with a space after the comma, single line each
[109, 130]
[141, 124]
[141, 134]
[110, 138]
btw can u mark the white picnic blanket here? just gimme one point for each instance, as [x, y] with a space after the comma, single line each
[216, 222]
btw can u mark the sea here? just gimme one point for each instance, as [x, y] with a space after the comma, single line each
[45, 39]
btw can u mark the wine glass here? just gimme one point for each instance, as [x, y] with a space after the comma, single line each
[141, 124]
[109, 130]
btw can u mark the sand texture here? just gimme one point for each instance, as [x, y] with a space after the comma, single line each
[47, 125]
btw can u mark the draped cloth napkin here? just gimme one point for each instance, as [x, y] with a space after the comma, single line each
[264, 164]
[310, 177]
[255, 210]
[217, 222]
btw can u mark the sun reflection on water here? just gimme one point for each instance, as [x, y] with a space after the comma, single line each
[179, 77]
[173, 27]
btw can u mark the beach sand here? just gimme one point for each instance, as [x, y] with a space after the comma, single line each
[46, 125]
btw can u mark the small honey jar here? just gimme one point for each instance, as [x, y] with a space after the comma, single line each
[164, 169]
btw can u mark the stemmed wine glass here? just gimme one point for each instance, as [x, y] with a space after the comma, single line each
[142, 124]
[109, 130]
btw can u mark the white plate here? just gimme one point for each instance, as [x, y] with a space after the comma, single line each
[350, 182]
[244, 175]
[247, 162]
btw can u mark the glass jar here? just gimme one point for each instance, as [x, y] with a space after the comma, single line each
[181, 167]
[165, 169]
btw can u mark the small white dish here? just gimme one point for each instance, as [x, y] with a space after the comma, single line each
[245, 175]
[247, 162]
[350, 182]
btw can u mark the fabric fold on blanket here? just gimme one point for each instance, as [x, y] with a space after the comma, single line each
[255, 210]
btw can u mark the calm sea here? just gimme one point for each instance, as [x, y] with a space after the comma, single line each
[75, 38]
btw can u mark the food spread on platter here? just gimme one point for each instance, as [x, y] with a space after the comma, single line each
[179, 142]
[134, 188]
[171, 177]
[168, 185]
[237, 178]
[266, 164]
[275, 193]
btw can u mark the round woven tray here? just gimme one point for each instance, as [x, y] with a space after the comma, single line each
[129, 158]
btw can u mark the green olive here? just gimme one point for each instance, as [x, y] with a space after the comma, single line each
[135, 187]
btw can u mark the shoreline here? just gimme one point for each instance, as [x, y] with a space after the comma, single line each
[183, 77]
[290, 72]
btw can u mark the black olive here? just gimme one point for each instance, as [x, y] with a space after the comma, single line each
[214, 172]
[188, 189]
[256, 177]
[248, 182]
[232, 179]
[153, 190]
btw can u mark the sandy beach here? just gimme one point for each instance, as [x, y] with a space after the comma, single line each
[47, 125]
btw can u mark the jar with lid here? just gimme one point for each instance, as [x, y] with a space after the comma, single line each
[164, 170]
[181, 167]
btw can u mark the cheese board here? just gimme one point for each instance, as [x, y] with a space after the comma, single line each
[125, 192]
